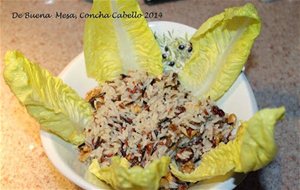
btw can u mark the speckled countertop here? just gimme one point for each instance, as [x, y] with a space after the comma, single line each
[272, 69]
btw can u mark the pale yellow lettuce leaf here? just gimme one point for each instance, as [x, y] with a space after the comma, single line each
[253, 148]
[120, 176]
[56, 106]
[220, 49]
[115, 45]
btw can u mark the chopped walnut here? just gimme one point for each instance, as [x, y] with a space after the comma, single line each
[188, 167]
[84, 153]
[93, 93]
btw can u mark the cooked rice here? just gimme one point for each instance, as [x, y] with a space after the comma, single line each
[142, 118]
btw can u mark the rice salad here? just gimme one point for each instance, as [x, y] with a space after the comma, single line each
[142, 118]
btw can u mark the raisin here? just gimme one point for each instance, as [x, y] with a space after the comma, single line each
[217, 111]
[126, 119]
[92, 102]
[180, 109]
[123, 76]
[81, 146]
[153, 81]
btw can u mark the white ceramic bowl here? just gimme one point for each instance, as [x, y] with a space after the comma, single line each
[64, 156]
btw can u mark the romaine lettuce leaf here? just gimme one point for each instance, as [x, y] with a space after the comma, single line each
[115, 45]
[120, 176]
[220, 49]
[253, 148]
[56, 106]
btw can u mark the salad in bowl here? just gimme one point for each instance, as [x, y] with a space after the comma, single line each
[153, 120]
